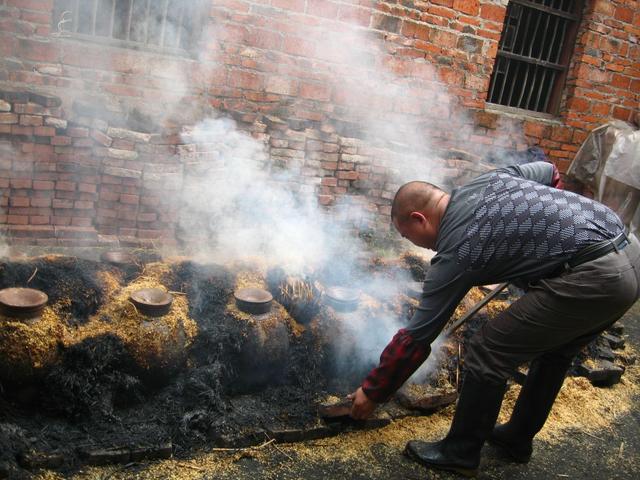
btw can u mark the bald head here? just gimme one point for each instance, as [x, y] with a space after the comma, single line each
[414, 197]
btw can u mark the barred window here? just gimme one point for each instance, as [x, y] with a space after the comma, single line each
[157, 24]
[534, 54]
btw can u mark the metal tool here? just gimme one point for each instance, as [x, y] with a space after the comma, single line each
[476, 308]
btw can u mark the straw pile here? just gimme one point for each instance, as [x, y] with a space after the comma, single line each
[158, 345]
[29, 348]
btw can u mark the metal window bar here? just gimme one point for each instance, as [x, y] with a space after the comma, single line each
[164, 22]
[530, 61]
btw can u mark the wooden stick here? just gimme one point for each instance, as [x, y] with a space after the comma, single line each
[256, 447]
[32, 275]
[458, 367]
[592, 435]
[193, 467]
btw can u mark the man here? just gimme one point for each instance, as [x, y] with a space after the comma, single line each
[511, 224]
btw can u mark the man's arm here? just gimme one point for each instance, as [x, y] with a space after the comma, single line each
[540, 172]
[410, 347]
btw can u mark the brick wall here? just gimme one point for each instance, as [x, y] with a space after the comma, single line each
[90, 144]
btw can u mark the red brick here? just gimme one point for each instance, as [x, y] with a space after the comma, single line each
[578, 104]
[620, 81]
[538, 130]
[602, 109]
[121, 144]
[36, 17]
[329, 181]
[75, 232]
[38, 51]
[322, 8]
[101, 138]
[20, 183]
[19, 201]
[39, 220]
[452, 76]
[109, 196]
[624, 14]
[81, 221]
[347, 175]
[492, 12]
[62, 203]
[44, 131]
[60, 220]
[561, 134]
[130, 199]
[18, 219]
[78, 132]
[8, 118]
[281, 85]
[21, 130]
[470, 7]
[147, 217]
[61, 140]
[83, 205]
[144, 233]
[416, 30]
[314, 91]
[87, 187]
[40, 202]
[30, 120]
[355, 15]
[622, 113]
[291, 5]
[83, 142]
[39, 5]
[66, 186]
[325, 199]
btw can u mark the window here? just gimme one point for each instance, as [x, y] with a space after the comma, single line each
[534, 52]
[164, 24]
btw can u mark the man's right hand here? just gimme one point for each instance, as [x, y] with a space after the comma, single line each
[362, 407]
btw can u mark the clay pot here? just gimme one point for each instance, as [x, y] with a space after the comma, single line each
[153, 302]
[264, 356]
[253, 300]
[342, 299]
[23, 303]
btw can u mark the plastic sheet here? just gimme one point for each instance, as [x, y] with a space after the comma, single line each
[608, 163]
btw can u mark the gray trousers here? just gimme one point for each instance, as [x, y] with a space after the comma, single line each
[557, 316]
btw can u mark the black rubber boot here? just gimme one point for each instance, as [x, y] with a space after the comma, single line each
[544, 380]
[476, 413]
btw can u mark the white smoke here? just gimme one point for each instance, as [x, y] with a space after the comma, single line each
[245, 208]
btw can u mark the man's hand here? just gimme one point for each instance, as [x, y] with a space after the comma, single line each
[361, 407]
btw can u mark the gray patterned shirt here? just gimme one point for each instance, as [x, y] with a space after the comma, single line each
[506, 225]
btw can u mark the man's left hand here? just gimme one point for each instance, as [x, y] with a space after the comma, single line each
[362, 407]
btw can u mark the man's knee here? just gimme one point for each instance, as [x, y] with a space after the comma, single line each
[486, 363]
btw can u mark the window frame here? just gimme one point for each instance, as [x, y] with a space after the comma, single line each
[58, 30]
[561, 65]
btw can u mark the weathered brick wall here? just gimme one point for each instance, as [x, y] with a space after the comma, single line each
[107, 159]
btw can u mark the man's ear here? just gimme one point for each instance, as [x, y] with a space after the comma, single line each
[418, 217]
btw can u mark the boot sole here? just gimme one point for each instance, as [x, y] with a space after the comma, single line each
[505, 450]
[467, 472]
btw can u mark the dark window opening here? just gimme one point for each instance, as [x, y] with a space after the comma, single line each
[534, 53]
[163, 24]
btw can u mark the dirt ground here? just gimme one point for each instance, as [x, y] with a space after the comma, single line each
[593, 433]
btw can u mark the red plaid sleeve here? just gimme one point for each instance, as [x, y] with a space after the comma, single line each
[556, 181]
[400, 358]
